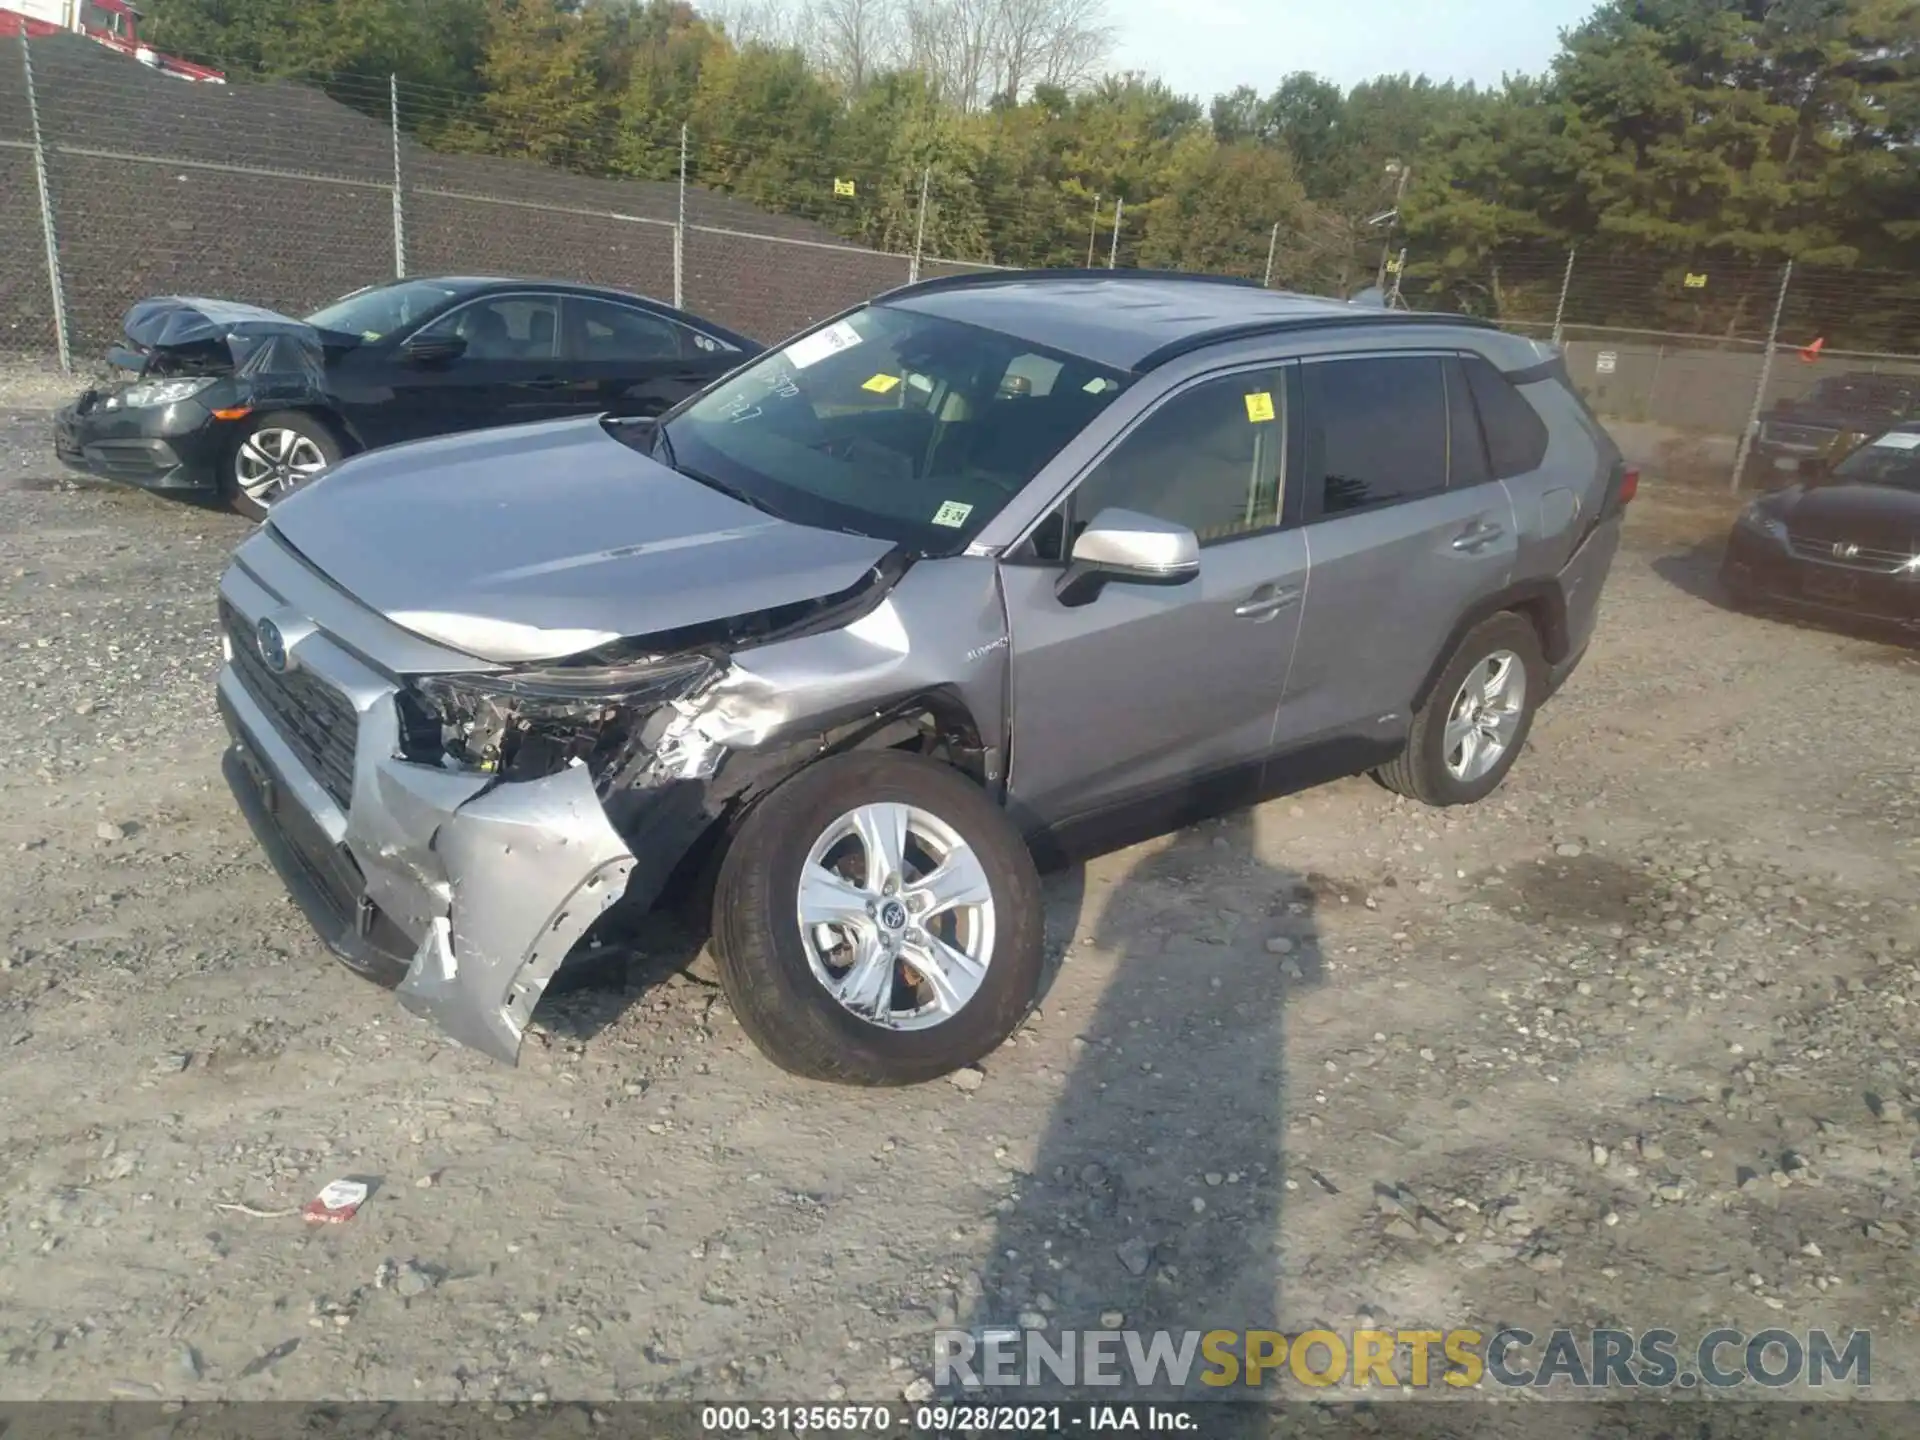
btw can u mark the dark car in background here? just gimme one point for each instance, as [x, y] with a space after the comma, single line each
[1843, 542]
[244, 403]
[1837, 414]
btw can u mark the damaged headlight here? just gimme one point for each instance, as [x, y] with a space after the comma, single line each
[526, 724]
[162, 392]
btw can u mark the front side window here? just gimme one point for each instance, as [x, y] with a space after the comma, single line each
[504, 327]
[374, 314]
[1378, 431]
[1210, 458]
[890, 423]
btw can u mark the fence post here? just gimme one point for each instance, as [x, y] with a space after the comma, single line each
[51, 236]
[399, 190]
[1273, 243]
[1745, 448]
[1093, 230]
[1113, 254]
[1566, 284]
[680, 232]
[920, 228]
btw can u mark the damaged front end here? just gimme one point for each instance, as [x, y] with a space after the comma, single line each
[192, 336]
[472, 823]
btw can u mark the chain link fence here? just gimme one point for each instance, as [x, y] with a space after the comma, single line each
[130, 183]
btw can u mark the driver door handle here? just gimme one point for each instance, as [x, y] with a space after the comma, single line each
[1267, 601]
[546, 382]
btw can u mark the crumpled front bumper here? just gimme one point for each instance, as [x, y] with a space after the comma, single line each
[464, 891]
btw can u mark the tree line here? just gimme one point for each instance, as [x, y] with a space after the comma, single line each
[1695, 135]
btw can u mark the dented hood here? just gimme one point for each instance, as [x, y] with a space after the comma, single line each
[540, 541]
[224, 335]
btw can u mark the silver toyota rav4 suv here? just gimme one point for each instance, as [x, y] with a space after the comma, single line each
[967, 575]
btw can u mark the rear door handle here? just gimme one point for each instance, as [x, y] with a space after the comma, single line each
[1477, 537]
[1267, 601]
[546, 382]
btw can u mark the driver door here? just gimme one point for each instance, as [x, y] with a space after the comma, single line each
[510, 372]
[1150, 691]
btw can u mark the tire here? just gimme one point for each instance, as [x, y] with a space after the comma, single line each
[1425, 770]
[1737, 593]
[776, 969]
[283, 444]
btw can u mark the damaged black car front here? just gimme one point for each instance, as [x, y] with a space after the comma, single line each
[187, 393]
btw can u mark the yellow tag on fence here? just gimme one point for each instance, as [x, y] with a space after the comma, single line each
[881, 384]
[1259, 406]
[843, 187]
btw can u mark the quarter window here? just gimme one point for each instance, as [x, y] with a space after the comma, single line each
[1516, 435]
[1378, 433]
[1210, 458]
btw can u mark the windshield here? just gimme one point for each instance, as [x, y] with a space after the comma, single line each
[375, 313]
[891, 424]
[1893, 459]
[1888, 397]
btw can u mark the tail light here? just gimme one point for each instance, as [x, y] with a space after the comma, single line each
[1629, 486]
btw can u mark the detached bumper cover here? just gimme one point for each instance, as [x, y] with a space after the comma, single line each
[171, 447]
[465, 892]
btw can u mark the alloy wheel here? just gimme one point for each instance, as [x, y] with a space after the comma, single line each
[274, 461]
[1485, 716]
[896, 915]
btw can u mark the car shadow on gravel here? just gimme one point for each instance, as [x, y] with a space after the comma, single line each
[1155, 1196]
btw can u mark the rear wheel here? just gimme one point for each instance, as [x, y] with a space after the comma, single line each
[1473, 725]
[276, 454]
[877, 922]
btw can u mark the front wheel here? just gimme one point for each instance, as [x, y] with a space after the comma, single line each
[1474, 723]
[877, 922]
[276, 454]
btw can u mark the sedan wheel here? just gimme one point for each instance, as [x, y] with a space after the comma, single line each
[271, 462]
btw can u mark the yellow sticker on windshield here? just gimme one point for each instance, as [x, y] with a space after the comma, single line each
[1259, 406]
[881, 384]
[952, 514]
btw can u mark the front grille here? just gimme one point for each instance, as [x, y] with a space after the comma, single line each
[1834, 552]
[310, 715]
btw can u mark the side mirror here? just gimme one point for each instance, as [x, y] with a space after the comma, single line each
[434, 350]
[1128, 546]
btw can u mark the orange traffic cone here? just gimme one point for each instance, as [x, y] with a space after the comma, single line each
[1811, 352]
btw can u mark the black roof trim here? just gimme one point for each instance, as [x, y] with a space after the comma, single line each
[1334, 320]
[1020, 277]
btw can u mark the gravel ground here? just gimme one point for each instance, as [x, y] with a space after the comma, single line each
[1633, 1043]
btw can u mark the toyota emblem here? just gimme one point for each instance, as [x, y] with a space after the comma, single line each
[273, 646]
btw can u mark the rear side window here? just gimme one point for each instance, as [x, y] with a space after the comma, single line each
[1516, 435]
[1378, 431]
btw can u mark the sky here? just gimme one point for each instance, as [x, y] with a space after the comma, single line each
[1203, 47]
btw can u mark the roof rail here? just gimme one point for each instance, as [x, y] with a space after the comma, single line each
[1003, 277]
[1282, 325]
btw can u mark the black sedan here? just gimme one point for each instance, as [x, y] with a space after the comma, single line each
[1845, 542]
[233, 400]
